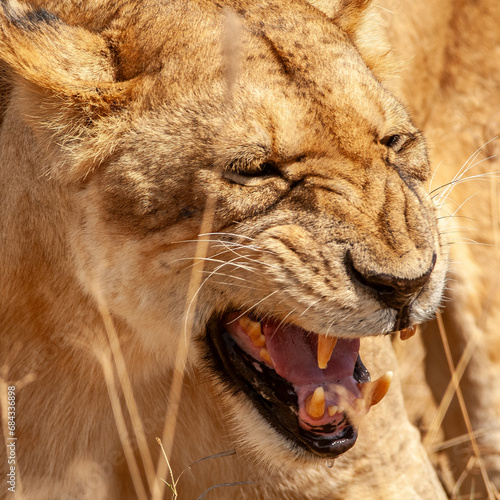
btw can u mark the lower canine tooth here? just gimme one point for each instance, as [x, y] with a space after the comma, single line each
[326, 345]
[315, 407]
[407, 333]
[373, 392]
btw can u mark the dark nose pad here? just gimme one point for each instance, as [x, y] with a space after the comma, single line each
[393, 291]
[396, 292]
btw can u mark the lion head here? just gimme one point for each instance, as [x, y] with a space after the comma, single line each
[269, 194]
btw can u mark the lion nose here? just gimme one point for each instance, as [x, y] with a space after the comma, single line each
[393, 291]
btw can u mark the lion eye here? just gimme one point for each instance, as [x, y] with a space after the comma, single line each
[394, 142]
[253, 175]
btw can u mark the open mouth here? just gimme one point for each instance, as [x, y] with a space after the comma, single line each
[313, 389]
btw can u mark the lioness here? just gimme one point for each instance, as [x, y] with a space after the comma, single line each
[225, 198]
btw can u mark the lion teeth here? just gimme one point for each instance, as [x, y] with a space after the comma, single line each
[407, 333]
[254, 330]
[326, 345]
[332, 410]
[373, 392]
[264, 354]
[315, 406]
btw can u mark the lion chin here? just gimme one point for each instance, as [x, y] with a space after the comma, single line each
[214, 215]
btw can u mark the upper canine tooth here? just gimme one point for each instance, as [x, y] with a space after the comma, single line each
[373, 392]
[407, 333]
[254, 330]
[326, 345]
[315, 406]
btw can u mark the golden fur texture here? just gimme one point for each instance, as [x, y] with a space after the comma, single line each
[452, 87]
[123, 121]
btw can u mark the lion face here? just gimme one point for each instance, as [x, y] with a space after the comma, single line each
[320, 232]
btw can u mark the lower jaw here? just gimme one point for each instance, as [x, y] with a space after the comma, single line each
[276, 400]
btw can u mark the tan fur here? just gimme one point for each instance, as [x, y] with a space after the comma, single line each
[452, 87]
[122, 120]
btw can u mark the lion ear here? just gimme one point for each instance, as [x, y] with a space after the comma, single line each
[348, 15]
[62, 77]
[66, 64]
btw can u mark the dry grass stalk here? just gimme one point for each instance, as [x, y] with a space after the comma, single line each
[230, 46]
[107, 368]
[432, 435]
[456, 386]
[126, 387]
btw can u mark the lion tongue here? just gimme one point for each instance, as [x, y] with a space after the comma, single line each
[323, 394]
[294, 354]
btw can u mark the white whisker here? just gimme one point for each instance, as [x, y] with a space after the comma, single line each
[457, 181]
[459, 207]
[213, 273]
[282, 322]
[256, 304]
[310, 305]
